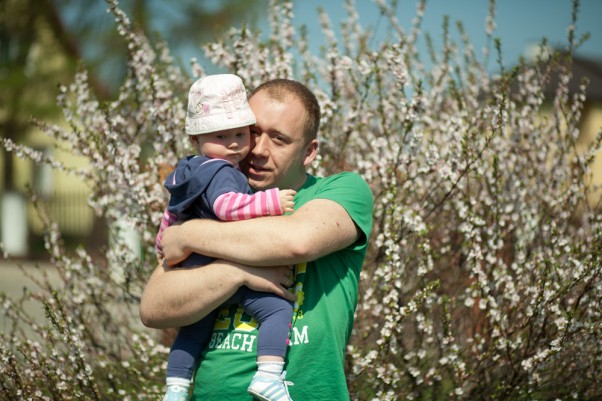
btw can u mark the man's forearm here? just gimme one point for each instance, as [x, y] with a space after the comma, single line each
[179, 297]
[240, 241]
[317, 229]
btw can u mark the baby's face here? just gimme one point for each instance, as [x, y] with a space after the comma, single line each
[231, 144]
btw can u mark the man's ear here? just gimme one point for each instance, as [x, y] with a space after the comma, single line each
[311, 152]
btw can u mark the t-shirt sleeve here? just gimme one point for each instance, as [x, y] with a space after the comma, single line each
[353, 193]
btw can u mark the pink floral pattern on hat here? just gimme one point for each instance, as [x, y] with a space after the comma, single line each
[216, 103]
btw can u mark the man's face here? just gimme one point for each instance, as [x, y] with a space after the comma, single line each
[279, 153]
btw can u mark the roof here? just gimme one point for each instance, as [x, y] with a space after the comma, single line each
[583, 67]
[591, 69]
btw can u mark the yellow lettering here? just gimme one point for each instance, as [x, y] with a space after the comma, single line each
[244, 325]
[223, 321]
[300, 268]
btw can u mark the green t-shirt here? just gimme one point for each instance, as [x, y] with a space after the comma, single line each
[322, 319]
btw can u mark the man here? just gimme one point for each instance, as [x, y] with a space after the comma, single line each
[325, 238]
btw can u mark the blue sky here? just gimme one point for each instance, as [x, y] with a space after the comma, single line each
[519, 23]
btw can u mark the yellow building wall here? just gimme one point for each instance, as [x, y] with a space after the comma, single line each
[591, 126]
[63, 195]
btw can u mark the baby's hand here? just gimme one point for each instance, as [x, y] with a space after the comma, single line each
[287, 200]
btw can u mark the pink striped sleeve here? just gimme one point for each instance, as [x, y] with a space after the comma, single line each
[236, 206]
[167, 220]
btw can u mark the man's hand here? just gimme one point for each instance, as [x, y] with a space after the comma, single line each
[174, 249]
[273, 279]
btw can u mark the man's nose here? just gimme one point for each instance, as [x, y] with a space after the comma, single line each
[260, 147]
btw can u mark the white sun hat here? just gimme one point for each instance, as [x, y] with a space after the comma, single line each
[216, 103]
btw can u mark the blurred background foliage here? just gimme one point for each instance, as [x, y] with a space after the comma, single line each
[42, 42]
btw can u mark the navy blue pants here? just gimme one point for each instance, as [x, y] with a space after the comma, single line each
[273, 313]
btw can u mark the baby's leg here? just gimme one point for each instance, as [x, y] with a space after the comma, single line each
[187, 347]
[274, 315]
[184, 355]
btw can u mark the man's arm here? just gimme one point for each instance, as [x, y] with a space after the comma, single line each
[318, 228]
[179, 297]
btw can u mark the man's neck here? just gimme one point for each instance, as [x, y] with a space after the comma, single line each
[301, 182]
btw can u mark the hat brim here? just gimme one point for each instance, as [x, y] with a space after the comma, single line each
[208, 124]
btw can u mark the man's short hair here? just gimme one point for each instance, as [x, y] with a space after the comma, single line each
[279, 89]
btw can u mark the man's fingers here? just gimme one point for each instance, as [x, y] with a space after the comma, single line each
[287, 272]
[270, 279]
[284, 293]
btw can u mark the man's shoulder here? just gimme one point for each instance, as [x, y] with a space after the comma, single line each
[350, 191]
[346, 175]
[344, 181]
